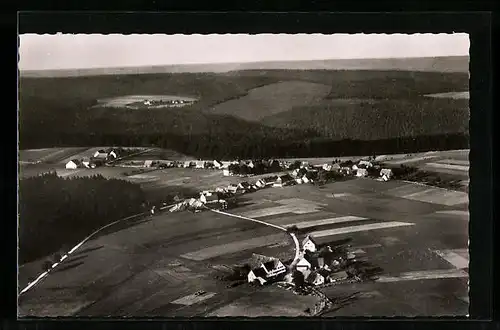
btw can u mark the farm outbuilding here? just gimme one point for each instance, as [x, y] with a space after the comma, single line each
[73, 164]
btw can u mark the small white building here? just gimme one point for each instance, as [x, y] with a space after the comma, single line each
[327, 167]
[361, 172]
[386, 174]
[365, 163]
[257, 275]
[217, 164]
[200, 164]
[226, 172]
[86, 162]
[148, 163]
[309, 244]
[100, 154]
[260, 183]
[112, 154]
[73, 164]
[315, 278]
[209, 199]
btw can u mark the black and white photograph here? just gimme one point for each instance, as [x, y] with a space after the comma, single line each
[243, 175]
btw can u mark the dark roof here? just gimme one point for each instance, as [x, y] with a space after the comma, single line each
[76, 161]
[286, 177]
[212, 197]
[101, 151]
[270, 179]
[318, 241]
[271, 264]
[259, 272]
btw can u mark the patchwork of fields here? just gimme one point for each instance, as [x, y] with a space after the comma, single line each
[166, 268]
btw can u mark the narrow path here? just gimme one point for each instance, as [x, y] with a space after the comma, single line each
[77, 246]
[294, 238]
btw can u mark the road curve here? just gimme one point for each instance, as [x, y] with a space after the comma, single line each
[294, 238]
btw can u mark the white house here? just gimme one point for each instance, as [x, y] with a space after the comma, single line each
[299, 180]
[148, 163]
[225, 165]
[304, 267]
[217, 164]
[86, 162]
[200, 164]
[386, 174]
[361, 172]
[260, 183]
[327, 167]
[309, 244]
[209, 199]
[187, 164]
[274, 267]
[257, 275]
[336, 167]
[365, 163]
[100, 154]
[73, 164]
[112, 154]
[315, 278]
[283, 180]
[250, 164]
[226, 172]
[355, 167]
[232, 188]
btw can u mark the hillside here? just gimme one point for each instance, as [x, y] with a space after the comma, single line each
[249, 113]
[426, 64]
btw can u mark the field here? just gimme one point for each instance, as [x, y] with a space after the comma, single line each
[451, 95]
[273, 99]
[126, 101]
[147, 269]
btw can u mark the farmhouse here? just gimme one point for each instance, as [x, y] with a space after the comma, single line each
[386, 174]
[112, 154]
[327, 167]
[200, 164]
[267, 268]
[148, 163]
[209, 199]
[361, 172]
[338, 276]
[336, 167]
[313, 244]
[244, 186]
[260, 183]
[232, 188]
[315, 278]
[284, 180]
[270, 180]
[86, 162]
[73, 164]
[101, 154]
[257, 275]
[217, 164]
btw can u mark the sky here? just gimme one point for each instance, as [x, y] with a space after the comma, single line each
[79, 51]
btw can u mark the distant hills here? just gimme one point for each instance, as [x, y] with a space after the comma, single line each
[447, 64]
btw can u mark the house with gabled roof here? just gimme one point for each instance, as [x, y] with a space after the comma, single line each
[274, 267]
[284, 180]
[386, 174]
[270, 180]
[313, 244]
[362, 172]
[199, 164]
[73, 164]
[217, 163]
[112, 154]
[257, 275]
[315, 278]
[102, 154]
[209, 199]
[260, 183]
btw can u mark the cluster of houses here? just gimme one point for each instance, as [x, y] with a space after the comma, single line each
[319, 264]
[99, 158]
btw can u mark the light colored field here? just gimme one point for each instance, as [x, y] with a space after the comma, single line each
[449, 166]
[329, 221]
[439, 196]
[455, 212]
[411, 160]
[353, 229]
[424, 275]
[270, 211]
[458, 258]
[451, 95]
[193, 299]
[123, 101]
[454, 162]
[53, 310]
[272, 99]
[234, 247]
[49, 155]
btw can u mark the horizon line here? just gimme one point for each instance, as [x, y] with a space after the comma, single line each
[245, 62]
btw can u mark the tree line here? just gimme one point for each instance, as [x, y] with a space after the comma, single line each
[246, 146]
[57, 211]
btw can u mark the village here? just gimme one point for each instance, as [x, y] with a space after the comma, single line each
[320, 263]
